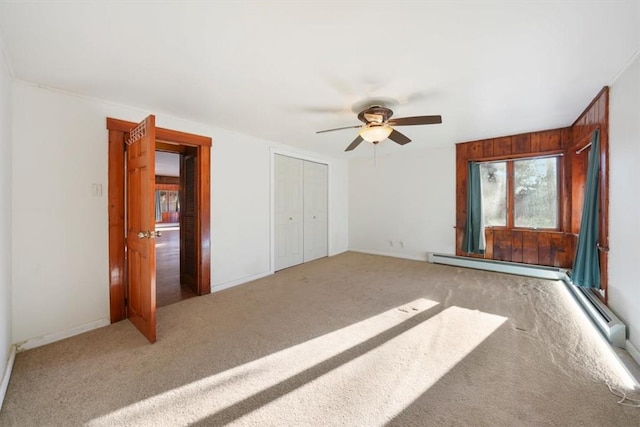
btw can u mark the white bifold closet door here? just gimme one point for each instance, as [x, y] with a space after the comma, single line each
[289, 200]
[300, 211]
[315, 211]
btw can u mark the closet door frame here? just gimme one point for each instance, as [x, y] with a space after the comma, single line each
[279, 151]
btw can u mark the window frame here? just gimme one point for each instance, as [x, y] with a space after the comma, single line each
[510, 184]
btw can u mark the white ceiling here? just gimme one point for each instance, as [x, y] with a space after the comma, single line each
[283, 70]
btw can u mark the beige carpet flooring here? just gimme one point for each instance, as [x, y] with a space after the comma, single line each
[352, 340]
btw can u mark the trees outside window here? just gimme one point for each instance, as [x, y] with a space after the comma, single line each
[520, 193]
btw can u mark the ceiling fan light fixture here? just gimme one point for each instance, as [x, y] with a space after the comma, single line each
[376, 133]
[378, 126]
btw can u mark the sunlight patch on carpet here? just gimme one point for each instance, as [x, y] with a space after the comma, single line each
[586, 347]
[374, 369]
[381, 383]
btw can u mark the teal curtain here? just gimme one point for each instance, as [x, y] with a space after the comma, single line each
[586, 266]
[158, 207]
[473, 232]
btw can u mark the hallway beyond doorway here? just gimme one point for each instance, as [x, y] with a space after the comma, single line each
[168, 287]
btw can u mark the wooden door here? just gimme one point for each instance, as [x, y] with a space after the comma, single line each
[315, 211]
[288, 176]
[166, 140]
[140, 208]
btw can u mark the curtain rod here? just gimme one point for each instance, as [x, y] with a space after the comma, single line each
[583, 148]
[515, 159]
[580, 150]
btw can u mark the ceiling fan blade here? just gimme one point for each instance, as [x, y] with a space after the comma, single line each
[355, 143]
[418, 120]
[346, 127]
[399, 138]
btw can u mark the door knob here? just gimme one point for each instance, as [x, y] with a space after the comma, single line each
[149, 234]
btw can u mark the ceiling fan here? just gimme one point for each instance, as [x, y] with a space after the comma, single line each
[378, 126]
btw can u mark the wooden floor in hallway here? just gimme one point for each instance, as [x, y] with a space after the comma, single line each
[168, 287]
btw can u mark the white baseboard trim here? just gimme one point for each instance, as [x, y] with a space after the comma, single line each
[60, 335]
[633, 351]
[237, 282]
[391, 254]
[341, 251]
[7, 375]
[232, 283]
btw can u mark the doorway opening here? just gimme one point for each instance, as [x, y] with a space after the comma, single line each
[168, 195]
[193, 217]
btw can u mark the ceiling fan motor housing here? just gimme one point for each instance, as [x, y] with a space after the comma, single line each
[375, 114]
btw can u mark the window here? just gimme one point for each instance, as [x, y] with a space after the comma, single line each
[520, 193]
[167, 205]
[535, 193]
[168, 201]
[493, 181]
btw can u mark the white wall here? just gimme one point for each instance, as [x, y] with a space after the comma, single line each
[407, 199]
[60, 258]
[5, 211]
[241, 245]
[339, 207]
[624, 200]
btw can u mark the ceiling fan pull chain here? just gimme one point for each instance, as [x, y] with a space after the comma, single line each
[375, 158]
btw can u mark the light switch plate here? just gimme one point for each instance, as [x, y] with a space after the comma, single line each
[96, 190]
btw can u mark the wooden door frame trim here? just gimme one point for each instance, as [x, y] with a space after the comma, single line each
[118, 130]
[169, 136]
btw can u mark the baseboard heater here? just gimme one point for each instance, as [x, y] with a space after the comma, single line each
[540, 272]
[608, 323]
[611, 327]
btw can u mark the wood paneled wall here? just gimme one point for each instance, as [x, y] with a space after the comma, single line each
[595, 116]
[162, 179]
[544, 247]
[551, 248]
[168, 187]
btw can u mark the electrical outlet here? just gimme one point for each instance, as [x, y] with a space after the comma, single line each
[401, 243]
[391, 243]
